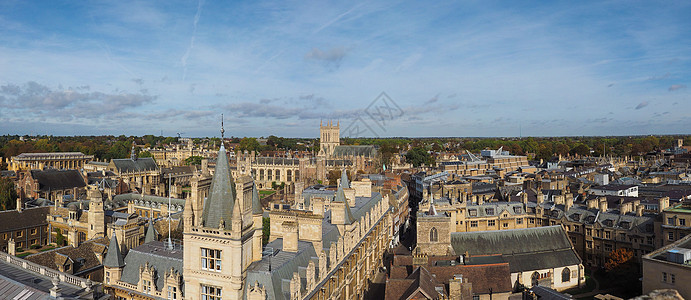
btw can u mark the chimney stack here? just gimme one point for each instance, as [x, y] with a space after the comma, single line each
[290, 236]
[19, 204]
[663, 204]
[639, 210]
[603, 205]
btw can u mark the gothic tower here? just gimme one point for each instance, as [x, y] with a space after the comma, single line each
[96, 214]
[329, 138]
[226, 240]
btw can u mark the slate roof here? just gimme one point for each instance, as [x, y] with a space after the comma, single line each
[283, 265]
[128, 165]
[156, 254]
[30, 217]
[344, 179]
[419, 281]
[53, 179]
[256, 203]
[524, 249]
[113, 257]
[219, 205]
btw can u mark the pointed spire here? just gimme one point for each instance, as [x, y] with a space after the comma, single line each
[432, 210]
[256, 203]
[150, 233]
[113, 257]
[344, 179]
[222, 130]
[219, 204]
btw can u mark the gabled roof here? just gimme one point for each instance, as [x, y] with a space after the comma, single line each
[158, 256]
[52, 179]
[219, 205]
[524, 249]
[128, 165]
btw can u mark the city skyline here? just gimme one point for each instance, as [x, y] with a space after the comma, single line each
[470, 69]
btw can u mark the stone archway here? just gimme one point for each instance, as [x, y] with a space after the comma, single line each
[535, 278]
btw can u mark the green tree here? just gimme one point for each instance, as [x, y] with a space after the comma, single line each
[144, 154]
[249, 144]
[266, 230]
[418, 156]
[193, 160]
[8, 194]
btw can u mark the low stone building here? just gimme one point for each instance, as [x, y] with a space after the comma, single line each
[669, 268]
[536, 256]
[25, 227]
[85, 261]
[51, 184]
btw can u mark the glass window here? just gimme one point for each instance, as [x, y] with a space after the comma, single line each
[519, 221]
[472, 212]
[664, 277]
[491, 223]
[682, 222]
[489, 211]
[565, 275]
[172, 293]
[670, 236]
[473, 223]
[211, 292]
[211, 259]
[670, 221]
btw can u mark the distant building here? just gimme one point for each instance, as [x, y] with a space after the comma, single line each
[25, 227]
[54, 160]
[615, 190]
[51, 184]
[676, 222]
[141, 174]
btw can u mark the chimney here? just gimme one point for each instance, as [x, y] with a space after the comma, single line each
[591, 203]
[290, 236]
[11, 247]
[568, 203]
[663, 204]
[19, 204]
[624, 208]
[540, 197]
[603, 205]
[524, 197]
[639, 210]
[480, 199]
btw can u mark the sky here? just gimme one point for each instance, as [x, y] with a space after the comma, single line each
[379, 68]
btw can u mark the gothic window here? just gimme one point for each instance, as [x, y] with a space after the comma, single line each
[289, 176]
[433, 235]
[261, 174]
[211, 260]
[211, 292]
[565, 275]
[268, 175]
[172, 293]
[278, 175]
[535, 278]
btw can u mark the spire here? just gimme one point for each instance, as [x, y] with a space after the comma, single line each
[432, 211]
[150, 233]
[256, 204]
[344, 179]
[113, 257]
[222, 136]
[221, 198]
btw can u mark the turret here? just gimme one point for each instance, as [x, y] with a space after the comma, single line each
[113, 262]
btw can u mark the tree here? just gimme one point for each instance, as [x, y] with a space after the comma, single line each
[59, 238]
[580, 149]
[418, 156]
[249, 144]
[8, 194]
[266, 230]
[193, 160]
[617, 258]
[144, 154]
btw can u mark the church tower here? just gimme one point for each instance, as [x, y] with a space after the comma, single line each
[96, 214]
[226, 240]
[329, 138]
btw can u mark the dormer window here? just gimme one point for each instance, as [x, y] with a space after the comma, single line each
[472, 212]
[489, 211]
[518, 209]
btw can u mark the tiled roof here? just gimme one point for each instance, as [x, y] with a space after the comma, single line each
[84, 256]
[52, 179]
[14, 220]
[157, 256]
[128, 165]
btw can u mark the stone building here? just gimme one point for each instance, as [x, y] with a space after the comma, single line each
[669, 268]
[54, 160]
[676, 222]
[84, 260]
[421, 276]
[141, 174]
[24, 227]
[536, 256]
[51, 184]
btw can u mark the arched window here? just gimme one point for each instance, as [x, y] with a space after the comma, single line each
[278, 175]
[565, 275]
[289, 176]
[535, 278]
[261, 174]
[433, 235]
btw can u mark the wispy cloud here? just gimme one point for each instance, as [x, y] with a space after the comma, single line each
[675, 87]
[642, 105]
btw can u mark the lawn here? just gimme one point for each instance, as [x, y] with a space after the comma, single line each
[266, 193]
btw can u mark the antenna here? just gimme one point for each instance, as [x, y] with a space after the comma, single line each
[170, 241]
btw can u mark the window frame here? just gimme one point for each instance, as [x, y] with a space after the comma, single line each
[211, 259]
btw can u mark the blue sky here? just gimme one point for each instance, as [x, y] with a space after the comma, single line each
[470, 68]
